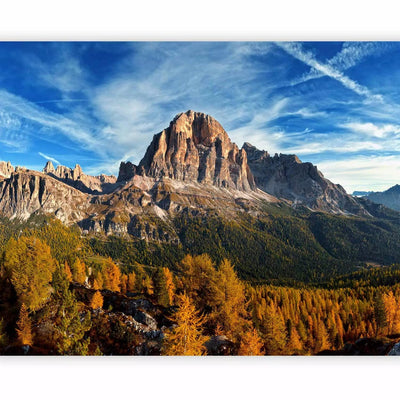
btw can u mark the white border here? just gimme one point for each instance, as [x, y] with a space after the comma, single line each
[189, 378]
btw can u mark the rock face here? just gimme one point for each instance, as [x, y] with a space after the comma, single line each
[27, 192]
[76, 178]
[286, 177]
[196, 148]
[389, 198]
[127, 171]
[6, 169]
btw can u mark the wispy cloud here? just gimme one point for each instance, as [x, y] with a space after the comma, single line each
[296, 50]
[351, 54]
[370, 129]
[52, 159]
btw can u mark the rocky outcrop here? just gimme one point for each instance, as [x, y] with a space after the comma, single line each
[286, 177]
[77, 179]
[196, 148]
[27, 192]
[6, 169]
[127, 171]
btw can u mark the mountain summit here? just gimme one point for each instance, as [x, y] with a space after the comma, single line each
[195, 147]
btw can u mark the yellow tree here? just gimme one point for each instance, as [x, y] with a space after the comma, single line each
[199, 280]
[112, 276]
[294, 344]
[97, 301]
[251, 344]
[229, 297]
[169, 281]
[130, 284]
[24, 327]
[273, 330]
[79, 271]
[391, 313]
[68, 272]
[124, 283]
[321, 337]
[185, 338]
[29, 265]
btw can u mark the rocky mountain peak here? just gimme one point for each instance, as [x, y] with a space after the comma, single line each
[195, 147]
[76, 178]
[49, 168]
[6, 169]
[201, 128]
[286, 176]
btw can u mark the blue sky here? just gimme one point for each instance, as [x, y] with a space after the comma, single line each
[335, 104]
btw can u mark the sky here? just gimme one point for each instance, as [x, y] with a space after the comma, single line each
[335, 104]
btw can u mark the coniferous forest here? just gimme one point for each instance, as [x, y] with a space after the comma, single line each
[65, 293]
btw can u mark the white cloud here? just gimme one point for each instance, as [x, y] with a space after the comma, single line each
[296, 50]
[52, 124]
[49, 158]
[373, 130]
[334, 145]
[351, 54]
[363, 173]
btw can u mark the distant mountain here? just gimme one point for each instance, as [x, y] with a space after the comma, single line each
[389, 198]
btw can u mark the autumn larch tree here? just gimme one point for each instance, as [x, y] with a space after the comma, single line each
[251, 344]
[130, 284]
[111, 276]
[170, 285]
[70, 328]
[229, 298]
[79, 271]
[29, 265]
[392, 313]
[97, 301]
[24, 327]
[160, 288]
[274, 331]
[198, 279]
[185, 338]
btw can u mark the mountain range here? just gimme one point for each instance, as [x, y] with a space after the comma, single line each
[191, 164]
[195, 191]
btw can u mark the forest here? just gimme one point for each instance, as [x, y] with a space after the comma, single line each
[62, 293]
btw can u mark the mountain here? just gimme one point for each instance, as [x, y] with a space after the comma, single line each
[389, 198]
[76, 178]
[191, 165]
[286, 177]
[196, 148]
[360, 193]
[195, 191]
